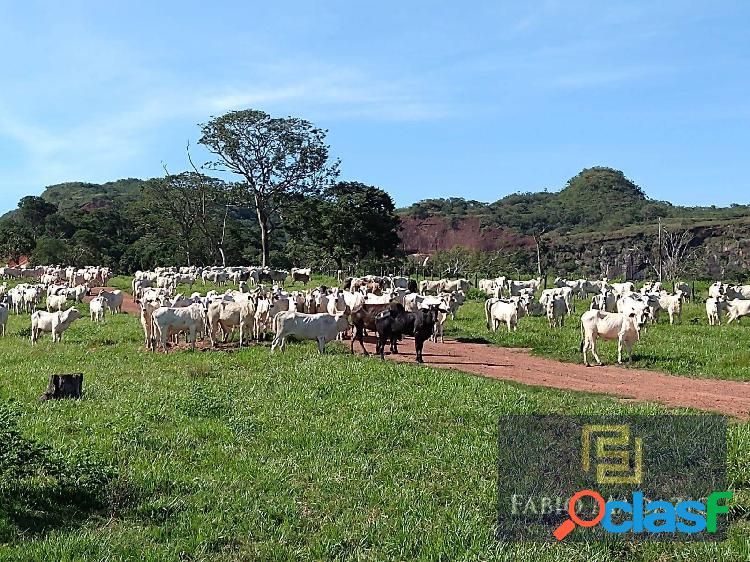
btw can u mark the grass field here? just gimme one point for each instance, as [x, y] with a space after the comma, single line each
[247, 456]
[700, 350]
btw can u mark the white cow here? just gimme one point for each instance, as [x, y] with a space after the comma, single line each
[608, 326]
[672, 304]
[606, 301]
[454, 286]
[321, 327]
[56, 302]
[736, 309]
[54, 322]
[717, 289]
[515, 288]
[623, 288]
[229, 315]
[172, 321]
[96, 309]
[714, 306]
[147, 310]
[638, 305]
[497, 311]
[738, 292]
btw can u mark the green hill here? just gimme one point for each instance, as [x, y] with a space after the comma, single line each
[77, 195]
[597, 199]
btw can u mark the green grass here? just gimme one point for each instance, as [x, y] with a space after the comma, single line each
[252, 456]
[233, 455]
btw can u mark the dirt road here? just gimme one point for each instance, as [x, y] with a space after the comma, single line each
[728, 397]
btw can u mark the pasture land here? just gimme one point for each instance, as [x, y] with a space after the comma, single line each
[694, 350]
[242, 455]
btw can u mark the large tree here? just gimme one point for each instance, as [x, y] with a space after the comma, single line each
[33, 211]
[349, 222]
[278, 158]
[16, 239]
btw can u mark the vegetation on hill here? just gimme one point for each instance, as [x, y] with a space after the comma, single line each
[69, 196]
[597, 199]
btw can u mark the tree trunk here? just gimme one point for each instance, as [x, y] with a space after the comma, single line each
[263, 225]
[538, 256]
[63, 386]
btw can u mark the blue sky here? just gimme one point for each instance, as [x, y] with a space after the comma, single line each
[424, 99]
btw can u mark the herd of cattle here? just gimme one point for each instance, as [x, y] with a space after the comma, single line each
[387, 306]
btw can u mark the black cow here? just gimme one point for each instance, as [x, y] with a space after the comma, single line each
[395, 322]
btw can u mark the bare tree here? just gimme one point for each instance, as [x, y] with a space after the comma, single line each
[676, 255]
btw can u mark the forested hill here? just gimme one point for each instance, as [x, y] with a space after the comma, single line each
[596, 200]
[80, 195]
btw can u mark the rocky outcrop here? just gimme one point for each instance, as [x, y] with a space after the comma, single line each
[433, 234]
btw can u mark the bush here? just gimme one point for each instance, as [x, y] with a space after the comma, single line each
[476, 294]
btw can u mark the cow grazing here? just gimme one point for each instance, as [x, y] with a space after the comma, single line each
[608, 326]
[172, 321]
[322, 328]
[736, 309]
[54, 322]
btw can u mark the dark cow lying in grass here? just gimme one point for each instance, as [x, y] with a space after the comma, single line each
[395, 322]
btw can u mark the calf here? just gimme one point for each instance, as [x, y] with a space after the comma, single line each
[556, 311]
[320, 327]
[96, 309]
[714, 306]
[608, 326]
[54, 322]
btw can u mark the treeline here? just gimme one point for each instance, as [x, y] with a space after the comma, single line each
[191, 218]
[286, 209]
